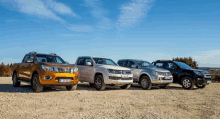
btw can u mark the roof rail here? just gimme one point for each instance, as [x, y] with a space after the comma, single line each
[33, 52]
[53, 54]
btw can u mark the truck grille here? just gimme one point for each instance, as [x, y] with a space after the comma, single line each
[122, 72]
[63, 70]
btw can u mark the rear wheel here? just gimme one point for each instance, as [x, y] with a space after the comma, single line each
[187, 83]
[145, 83]
[99, 83]
[15, 81]
[164, 86]
[125, 86]
[71, 87]
[200, 86]
[37, 87]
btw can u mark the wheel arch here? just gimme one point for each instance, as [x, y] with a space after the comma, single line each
[144, 74]
[97, 73]
[34, 72]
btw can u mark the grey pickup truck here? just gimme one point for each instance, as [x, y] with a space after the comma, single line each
[146, 74]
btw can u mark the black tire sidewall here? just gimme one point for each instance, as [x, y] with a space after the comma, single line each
[191, 81]
[102, 83]
[148, 82]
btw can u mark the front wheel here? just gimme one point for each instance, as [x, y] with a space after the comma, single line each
[15, 81]
[37, 87]
[187, 83]
[99, 83]
[71, 87]
[125, 86]
[145, 83]
[200, 86]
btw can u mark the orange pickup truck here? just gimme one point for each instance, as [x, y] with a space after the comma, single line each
[43, 70]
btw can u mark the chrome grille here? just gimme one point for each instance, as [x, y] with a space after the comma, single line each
[63, 70]
[122, 72]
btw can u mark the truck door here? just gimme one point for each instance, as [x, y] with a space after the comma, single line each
[22, 68]
[135, 71]
[173, 69]
[89, 71]
[80, 65]
[28, 68]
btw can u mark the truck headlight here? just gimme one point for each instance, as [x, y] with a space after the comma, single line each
[198, 73]
[111, 71]
[48, 68]
[73, 70]
[158, 73]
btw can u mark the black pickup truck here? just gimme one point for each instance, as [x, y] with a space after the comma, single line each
[184, 74]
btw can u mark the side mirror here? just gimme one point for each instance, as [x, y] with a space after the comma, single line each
[88, 63]
[67, 62]
[134, 66]
[30, 61]
[175, 67]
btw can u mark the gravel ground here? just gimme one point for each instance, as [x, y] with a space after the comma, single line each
[86, 102]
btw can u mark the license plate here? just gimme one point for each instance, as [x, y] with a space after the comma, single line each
[64, 80]
[166, 78]
[124, 76]
[208, 81]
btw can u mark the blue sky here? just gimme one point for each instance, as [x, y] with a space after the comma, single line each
[139, 29]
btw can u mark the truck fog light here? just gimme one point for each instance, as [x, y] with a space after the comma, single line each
[76, 77]
[47, 77]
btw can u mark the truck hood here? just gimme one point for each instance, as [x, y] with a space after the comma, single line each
[156, 69]
[202, 71]
[58, 64]
[113, 67]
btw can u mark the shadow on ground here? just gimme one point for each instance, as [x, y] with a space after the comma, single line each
[83, 86]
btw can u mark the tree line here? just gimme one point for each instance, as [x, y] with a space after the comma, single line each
[6, 70]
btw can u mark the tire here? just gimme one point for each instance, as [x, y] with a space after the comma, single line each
[187, 83]
[99, 83]
[145, 83]
[91, 84]
[15, 81]
[37, 87]
[200, 86]
[165, 86]
[127, 86]
[71, 87]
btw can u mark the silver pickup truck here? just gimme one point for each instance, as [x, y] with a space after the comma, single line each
[146, 74]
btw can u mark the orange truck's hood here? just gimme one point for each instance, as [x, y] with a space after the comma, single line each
[58, 64]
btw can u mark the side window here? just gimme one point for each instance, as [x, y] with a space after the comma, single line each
[88, 60]
[170, 65]
[25, 58]
[159, 65]
[80, 61]
[122, 63]
[130, 63]
[31, 57]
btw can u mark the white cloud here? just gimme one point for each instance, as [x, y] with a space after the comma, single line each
[208, 58]
[41, 8]
[99, 13]
[60, 7]
[133, 12]
[80, 28]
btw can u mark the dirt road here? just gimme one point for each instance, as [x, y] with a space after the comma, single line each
[86, 102]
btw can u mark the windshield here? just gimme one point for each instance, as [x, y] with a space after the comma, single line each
[183, 65]
[50, 58]
[145, 64]
[104, 61]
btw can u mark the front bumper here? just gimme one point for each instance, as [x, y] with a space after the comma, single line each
[203, 81]
[161, 79]
[54, 80]
[118, 79]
